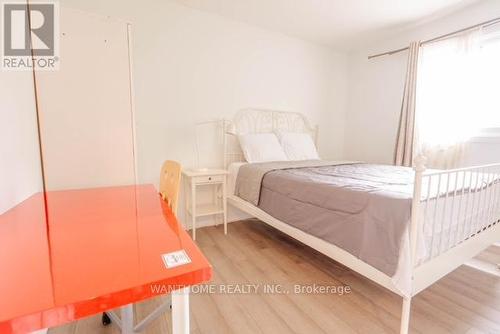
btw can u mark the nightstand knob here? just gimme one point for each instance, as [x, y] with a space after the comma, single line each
[210, 178]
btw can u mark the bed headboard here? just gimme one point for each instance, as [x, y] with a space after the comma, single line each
[261, 121]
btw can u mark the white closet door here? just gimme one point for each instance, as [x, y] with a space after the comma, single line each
[20, 169]
[85, 106]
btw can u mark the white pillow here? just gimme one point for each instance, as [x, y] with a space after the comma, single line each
[261, 147]
[298, 146]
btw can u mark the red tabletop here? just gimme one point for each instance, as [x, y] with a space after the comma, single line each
[94, 250]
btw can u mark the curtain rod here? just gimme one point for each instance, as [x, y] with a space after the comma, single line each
[482, 24]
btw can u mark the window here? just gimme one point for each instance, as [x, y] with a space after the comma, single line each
[458, 93]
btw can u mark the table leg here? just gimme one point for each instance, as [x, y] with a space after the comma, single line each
[215, 199]
[193, 209]
[127, 320]
[224, 206]
[180, 311]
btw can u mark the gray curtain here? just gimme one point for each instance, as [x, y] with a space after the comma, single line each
[406, 139]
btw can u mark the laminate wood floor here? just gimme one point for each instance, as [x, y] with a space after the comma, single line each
[465, 301]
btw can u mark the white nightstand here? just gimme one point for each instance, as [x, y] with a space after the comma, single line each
[215, 178]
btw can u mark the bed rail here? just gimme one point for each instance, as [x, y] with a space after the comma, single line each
[452, 206]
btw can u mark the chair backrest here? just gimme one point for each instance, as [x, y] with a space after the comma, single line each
[170, 179]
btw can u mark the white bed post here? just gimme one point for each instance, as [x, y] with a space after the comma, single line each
[415, 220]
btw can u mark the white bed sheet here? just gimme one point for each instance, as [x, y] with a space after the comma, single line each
[233, 173]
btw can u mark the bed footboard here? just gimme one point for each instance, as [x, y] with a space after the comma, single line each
[455, 215]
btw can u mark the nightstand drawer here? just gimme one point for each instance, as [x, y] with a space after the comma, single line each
[208, 179]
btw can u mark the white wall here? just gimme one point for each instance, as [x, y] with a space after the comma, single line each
[191, 66]
[376, 85]
[20, 172]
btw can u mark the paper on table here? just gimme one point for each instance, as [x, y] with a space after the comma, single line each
[176, 258]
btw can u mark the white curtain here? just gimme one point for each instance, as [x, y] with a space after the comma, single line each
[406, 138]
[449, 86]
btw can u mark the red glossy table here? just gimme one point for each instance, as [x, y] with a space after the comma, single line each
[92, 251]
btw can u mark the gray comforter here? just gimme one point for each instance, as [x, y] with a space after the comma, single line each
[361, 208]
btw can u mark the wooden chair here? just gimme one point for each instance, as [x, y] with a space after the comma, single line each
[170, 180]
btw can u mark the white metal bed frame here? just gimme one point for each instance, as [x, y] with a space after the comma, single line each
[475, 209]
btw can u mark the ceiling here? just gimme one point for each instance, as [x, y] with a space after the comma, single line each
[343, 24]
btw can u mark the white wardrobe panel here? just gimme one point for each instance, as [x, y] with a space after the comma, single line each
[20, 168]
[85, 107]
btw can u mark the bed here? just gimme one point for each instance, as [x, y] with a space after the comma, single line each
[402, 228]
